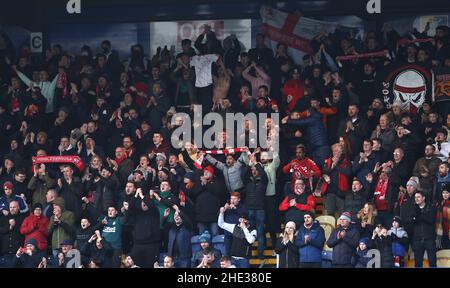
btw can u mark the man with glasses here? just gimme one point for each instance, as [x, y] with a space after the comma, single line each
[297, 203]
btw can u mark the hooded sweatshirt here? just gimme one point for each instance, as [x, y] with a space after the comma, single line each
[65, 229]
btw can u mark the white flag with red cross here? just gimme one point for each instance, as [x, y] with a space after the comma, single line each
[293, 30]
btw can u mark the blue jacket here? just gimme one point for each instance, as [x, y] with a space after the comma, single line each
[4, 203]
[361, 170]
[345, 248]
[314, 128]
[361, 259]
[311, 252]
[181, 238]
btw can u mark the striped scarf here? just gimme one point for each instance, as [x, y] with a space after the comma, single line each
[198, 162]
[443, 219]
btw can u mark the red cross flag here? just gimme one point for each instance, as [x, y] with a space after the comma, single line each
[292, 29]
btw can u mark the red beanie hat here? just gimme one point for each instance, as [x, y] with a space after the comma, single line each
[209, 168]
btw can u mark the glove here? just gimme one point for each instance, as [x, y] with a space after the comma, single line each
[439, 241]
[394, 237]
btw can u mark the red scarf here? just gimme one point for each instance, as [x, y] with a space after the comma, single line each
[380, 192]
[15, 105]
[120, 160]
[296, 89]
[61, 82]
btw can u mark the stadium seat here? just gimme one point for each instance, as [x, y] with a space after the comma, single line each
[328, 223]
[443, 258]
[195, 244]
[218, 242]
[327, 257]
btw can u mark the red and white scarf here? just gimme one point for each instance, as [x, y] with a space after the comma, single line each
[61, 82]
[198, 163]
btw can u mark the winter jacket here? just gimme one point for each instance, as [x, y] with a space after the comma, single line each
[65, 229]
[384, 245]
[232, 175]
[209, 199]
[305, 202]
[179, 240]
[315, 130]
[72, 194]
[343, 249]
[311, 252]
[83, 235]
[104, 192]
[354, 201]
[387, 138]
[424, 223]
[400, 241]
[432, 164]
[439, 183]
[104, 255]
[27, 261]
[255, 189]
[36, 227]
[400, 174]
[357, 135]
[11, 240]
[39, 187]
[361, 259]
[4, 203]
[288, 253]
[339, 182]
[362, 169]
[146, 223]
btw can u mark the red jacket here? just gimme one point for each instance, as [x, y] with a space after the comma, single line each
[302, 167]
[343, 183]
[36, 227]
[309, 206]
[296, 89]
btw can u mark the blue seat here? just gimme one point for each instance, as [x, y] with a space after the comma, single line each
[327, 257]
[195, 242]
[218, 242]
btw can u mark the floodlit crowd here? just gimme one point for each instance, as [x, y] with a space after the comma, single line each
[139, 201]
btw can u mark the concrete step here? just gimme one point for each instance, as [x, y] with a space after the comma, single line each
[268, 253]
[267, 263]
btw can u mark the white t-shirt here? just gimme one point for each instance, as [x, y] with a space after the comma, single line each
[202, 66]
[443, 152]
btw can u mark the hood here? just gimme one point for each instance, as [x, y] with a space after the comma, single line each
[60, 202]
[400, 232]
